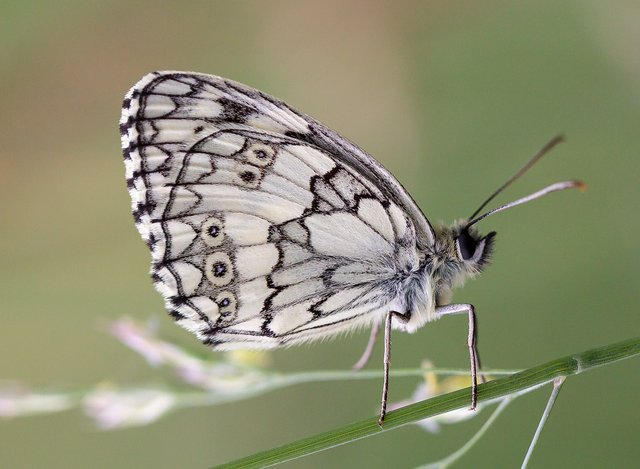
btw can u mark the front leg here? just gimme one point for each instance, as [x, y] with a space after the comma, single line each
[471, 342]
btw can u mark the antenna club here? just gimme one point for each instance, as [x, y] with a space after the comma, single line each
[581, 186]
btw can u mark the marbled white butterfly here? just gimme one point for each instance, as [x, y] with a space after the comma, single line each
[268, 229]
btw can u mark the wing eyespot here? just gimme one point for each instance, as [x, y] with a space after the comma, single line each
[212, 232]
[227, 306]
[259, 154]
[247, 176]
[218, 269]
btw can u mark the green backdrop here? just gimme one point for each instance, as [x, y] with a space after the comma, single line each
[451, 96]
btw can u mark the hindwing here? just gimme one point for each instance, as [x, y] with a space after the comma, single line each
[265, 227]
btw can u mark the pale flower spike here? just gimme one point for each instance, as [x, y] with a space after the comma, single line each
[113, 408]
[221, 377]
[18, 401]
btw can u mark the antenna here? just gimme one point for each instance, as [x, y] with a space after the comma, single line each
[558, 186]
[543, 151]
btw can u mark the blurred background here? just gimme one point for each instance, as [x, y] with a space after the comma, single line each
[451, 96]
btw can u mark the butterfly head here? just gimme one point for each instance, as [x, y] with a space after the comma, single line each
[459, 252]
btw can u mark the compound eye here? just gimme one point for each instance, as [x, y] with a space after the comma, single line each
[466, 245]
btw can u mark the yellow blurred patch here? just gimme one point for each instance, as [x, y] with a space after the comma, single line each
[249, 358]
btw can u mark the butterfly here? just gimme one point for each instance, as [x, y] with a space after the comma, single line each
[268, 229]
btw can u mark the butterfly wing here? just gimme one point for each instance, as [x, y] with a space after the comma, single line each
[265, 227]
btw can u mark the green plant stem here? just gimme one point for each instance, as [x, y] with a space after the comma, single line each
[516, 383]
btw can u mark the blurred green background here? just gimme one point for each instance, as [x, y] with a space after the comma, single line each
[451, 96]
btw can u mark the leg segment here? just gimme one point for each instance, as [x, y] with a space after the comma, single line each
[471, 342]
[366, 355]
[387, 361]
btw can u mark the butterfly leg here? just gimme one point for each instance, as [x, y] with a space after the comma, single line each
[471, 342]
[387, 361]
[366, 355]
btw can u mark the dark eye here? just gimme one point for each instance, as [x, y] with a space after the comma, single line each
[466, 245]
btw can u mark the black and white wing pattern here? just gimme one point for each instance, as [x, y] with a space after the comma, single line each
[265, 227]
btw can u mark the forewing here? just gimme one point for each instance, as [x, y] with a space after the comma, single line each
[260, 235]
